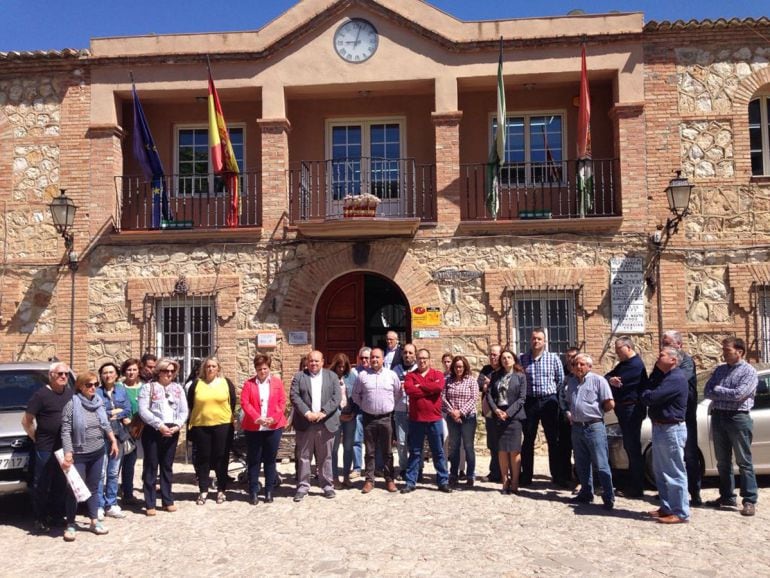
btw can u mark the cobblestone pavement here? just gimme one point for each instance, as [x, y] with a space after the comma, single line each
[476, 532]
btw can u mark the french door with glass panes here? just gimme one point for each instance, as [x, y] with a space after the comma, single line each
[366, 157]
[185, 332]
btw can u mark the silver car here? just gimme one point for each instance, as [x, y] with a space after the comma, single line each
[760, 447]
[18, 381]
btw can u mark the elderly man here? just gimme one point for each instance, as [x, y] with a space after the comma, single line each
[625, 379]
[315, 395]
[691, 452]
[393, 351]
[364, 355]
[666, 397]
[485, 377]
[401, 412]
[424, 388]
[731, 389]
[42, 422]
[375, 393]
[545, 373]
[589, 397]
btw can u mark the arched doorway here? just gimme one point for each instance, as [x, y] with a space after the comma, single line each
[360, 308]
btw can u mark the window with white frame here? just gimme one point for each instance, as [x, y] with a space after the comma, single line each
[366, 156]
[185, 331]
[553, 310]
[759, 135]
[193, 165]
[534, 148]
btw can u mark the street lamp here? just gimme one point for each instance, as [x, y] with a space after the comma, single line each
[678, 194]
[63, 215]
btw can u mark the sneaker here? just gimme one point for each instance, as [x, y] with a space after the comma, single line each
[115, 512]
[748, 509]
[170, 508]
[151, 512]
[329, 494]
[355, 474]
[69, 533]
[100, 514]
[99, 529]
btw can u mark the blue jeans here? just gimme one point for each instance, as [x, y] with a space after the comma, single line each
[733, 435]
[630, 418]
[159, 452]
[668, 441]
[346, 433]
[358, 443]
[49, 486]
[435, 432]
[127, 472]
[262, 448]
[401, 426]
[108, 484]
[90, 467]
[465, 431]
[589, 443]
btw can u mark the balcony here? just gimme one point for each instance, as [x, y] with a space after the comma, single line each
[541, 197]
[325, 195]
[195, 203]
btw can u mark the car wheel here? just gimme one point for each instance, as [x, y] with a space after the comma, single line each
[649, 471]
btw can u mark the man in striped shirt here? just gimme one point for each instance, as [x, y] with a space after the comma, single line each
[544, 372]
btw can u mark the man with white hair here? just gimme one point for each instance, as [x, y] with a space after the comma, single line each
[589, 397]
[42, 422]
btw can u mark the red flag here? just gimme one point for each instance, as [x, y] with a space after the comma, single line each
[584, 113]
[222, 156]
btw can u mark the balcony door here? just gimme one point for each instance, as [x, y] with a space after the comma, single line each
[366, 156]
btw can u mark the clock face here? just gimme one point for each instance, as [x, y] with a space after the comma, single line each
[356, 40]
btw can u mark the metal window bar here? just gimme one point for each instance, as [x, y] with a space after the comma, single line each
[557, 310]
[762, 310]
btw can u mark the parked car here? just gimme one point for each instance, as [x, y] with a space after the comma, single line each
[760, 447]
[18, 381]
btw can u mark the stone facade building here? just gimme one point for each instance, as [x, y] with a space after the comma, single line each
[410, 121]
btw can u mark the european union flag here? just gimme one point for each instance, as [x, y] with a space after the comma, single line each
[147, 155]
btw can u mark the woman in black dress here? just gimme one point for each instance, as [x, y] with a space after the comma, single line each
[506, 396]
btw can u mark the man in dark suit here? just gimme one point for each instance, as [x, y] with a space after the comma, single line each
[315, 395]
[393, 352]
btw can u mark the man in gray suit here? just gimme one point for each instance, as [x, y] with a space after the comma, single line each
[315, 395]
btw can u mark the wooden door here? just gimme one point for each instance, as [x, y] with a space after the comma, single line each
[339, 317]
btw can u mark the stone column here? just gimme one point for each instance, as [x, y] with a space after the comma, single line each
[447, 127]
[275, 166]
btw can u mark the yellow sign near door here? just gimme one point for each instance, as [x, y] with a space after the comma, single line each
[424, 316]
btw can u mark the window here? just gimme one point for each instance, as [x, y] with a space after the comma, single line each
[759, 135]
[185, 331]
[193, 168]
[763, 321]
[553, 310]
[366, 157]
[534, 149]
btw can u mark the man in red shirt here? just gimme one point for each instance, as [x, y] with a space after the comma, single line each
[424, 388]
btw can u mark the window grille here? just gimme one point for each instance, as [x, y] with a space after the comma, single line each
[763, 321]
[555, 309]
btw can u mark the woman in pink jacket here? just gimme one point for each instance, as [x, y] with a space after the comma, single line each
[263, 401]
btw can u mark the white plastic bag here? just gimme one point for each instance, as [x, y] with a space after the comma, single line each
[78, 486]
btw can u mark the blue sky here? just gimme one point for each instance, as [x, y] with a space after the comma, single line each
[26, 25]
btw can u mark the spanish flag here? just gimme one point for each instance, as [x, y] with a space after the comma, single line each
[222, 156]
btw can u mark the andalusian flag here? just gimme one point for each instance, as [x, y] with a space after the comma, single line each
[222, 155]
[149, 160]
[497, 150]
[585, 173]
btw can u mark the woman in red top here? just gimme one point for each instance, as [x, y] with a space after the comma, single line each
[263, 401]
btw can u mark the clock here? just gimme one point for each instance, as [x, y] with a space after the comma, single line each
[356, 40]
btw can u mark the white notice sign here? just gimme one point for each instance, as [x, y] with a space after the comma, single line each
[627, 291]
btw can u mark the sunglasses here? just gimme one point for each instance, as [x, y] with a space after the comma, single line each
[91, 384]
[166, 371]
[60, 373]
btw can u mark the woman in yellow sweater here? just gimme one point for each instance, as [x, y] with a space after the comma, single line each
[212, 408]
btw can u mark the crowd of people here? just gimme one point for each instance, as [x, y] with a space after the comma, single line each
[392, 397]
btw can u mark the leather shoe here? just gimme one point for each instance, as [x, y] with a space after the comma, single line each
[391, 486]
[672, 519]
[748, 509]
[269, 498]
[445, 488]
[580, 499]
[722, 503]
[368, 487]
[299, 496]
[658, 513]
[407, 489]
[329, 494]
[253, 500]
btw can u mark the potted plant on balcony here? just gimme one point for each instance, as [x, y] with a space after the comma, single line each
[369, 204]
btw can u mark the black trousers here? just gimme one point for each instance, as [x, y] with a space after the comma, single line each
[378, 437]
[545, 410]
[159, 450]
[212, 449]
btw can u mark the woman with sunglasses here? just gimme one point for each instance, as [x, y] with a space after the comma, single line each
[85, 428]
[211, 399]
[163, 408]
[346, 433]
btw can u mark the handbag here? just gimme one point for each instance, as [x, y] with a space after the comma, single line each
[129, 445]
[486, 411]
[121, 432]
[136, 427]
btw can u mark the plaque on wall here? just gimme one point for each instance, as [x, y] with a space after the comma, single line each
[297, 337]
[426, 316]
[266, 339]
[627, 293]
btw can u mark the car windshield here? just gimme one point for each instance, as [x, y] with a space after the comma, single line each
[17, 386]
